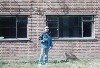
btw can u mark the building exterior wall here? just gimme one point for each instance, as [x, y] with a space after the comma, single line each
[26, 50]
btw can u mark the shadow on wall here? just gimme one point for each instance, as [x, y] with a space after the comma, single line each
[70, 56]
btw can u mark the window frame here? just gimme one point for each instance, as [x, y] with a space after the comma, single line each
[76, 38]
[15, 39]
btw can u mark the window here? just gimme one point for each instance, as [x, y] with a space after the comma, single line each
[70, 26]
[13, 26]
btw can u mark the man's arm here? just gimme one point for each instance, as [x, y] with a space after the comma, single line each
[51, 45]
[41, 38]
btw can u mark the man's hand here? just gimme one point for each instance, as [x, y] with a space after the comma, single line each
[50, 47]
[43, 41]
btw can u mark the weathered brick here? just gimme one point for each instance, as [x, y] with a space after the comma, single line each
[27, 51]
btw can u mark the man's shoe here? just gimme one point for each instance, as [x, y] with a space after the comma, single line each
[46, 63]
[40, 64]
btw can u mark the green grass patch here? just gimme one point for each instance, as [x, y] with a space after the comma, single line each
[53, 64]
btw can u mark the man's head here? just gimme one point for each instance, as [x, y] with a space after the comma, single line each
[46, 29]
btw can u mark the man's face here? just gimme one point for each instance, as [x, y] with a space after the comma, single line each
[46, 29]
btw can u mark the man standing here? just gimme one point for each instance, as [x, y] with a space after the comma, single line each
[46, 43]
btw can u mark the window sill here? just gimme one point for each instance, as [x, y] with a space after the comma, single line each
[74, 39]
[15, 39]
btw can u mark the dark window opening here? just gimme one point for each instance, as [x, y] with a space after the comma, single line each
[87, 29]
[70, 26]
[13, 26]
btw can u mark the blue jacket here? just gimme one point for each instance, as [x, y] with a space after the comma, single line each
[45, 40]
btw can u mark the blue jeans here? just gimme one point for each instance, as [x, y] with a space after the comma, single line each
[44, 55]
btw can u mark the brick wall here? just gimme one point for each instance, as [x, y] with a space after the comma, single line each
[29, 51]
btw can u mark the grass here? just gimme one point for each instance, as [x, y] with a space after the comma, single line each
[53, 64]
